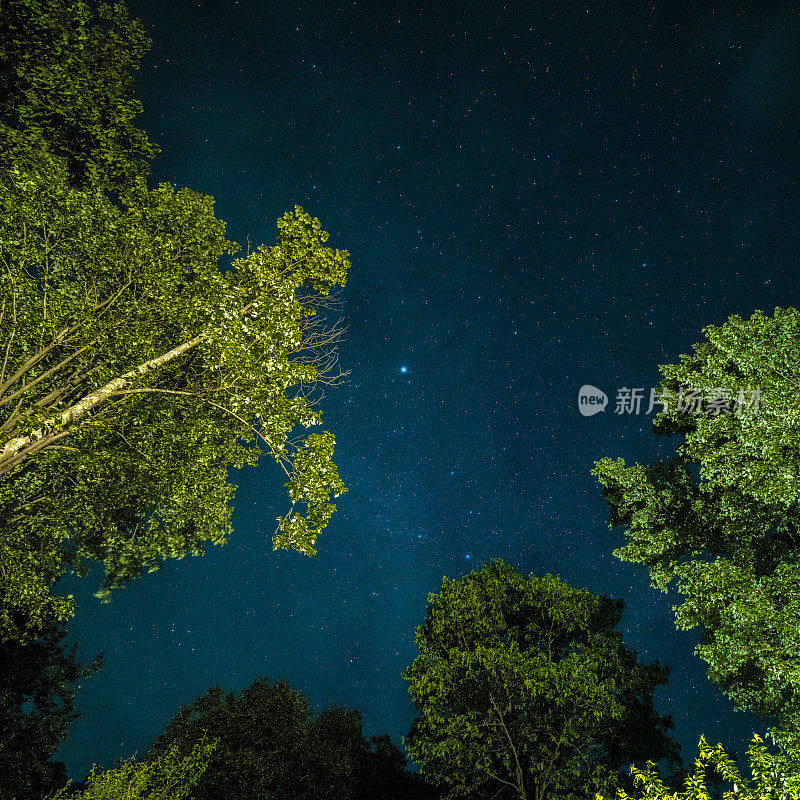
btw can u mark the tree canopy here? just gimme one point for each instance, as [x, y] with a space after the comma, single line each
[771, 778]
[524, 689]
[270, 744]
[170, 775]
[66, 75]
[133, 371]
[723, 515]
[38, 682]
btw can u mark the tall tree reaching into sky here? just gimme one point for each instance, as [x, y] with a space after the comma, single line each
[524, 690]
[723, 517]
[132, 369]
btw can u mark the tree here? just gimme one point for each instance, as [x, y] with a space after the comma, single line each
[769, 772]
[131, 369]
[270, 745]
[259, 734]
[382, 774]
[169, 776]
[723, 515]
[65, 74]
[38, 682]
[524, 690]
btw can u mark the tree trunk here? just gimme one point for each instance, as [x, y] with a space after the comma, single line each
[18, 448]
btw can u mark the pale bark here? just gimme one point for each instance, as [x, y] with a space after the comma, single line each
[18, 448]
[518, 774]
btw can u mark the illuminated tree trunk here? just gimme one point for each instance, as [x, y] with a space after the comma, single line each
[19, 448]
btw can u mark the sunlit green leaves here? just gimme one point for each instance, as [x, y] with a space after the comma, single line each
[723, 516]
[773, 777]
[524, 683]
[66, 74]
[314, 478]
[169, 776]
[91, 290]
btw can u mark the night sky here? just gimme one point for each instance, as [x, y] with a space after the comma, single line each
[535, 197]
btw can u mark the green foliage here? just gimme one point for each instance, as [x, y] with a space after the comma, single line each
[265, 741]
[65, 73]
[122, 305]
[525, 689]
[774, 779]
[169, 776]
[133, 373]
[722, 516]
[38, 682]
[272, 746]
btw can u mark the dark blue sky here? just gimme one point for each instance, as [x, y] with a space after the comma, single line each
[535, 196]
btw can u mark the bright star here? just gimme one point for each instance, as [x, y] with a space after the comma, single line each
[404, 369]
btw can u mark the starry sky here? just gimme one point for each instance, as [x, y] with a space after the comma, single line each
[535, 197]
